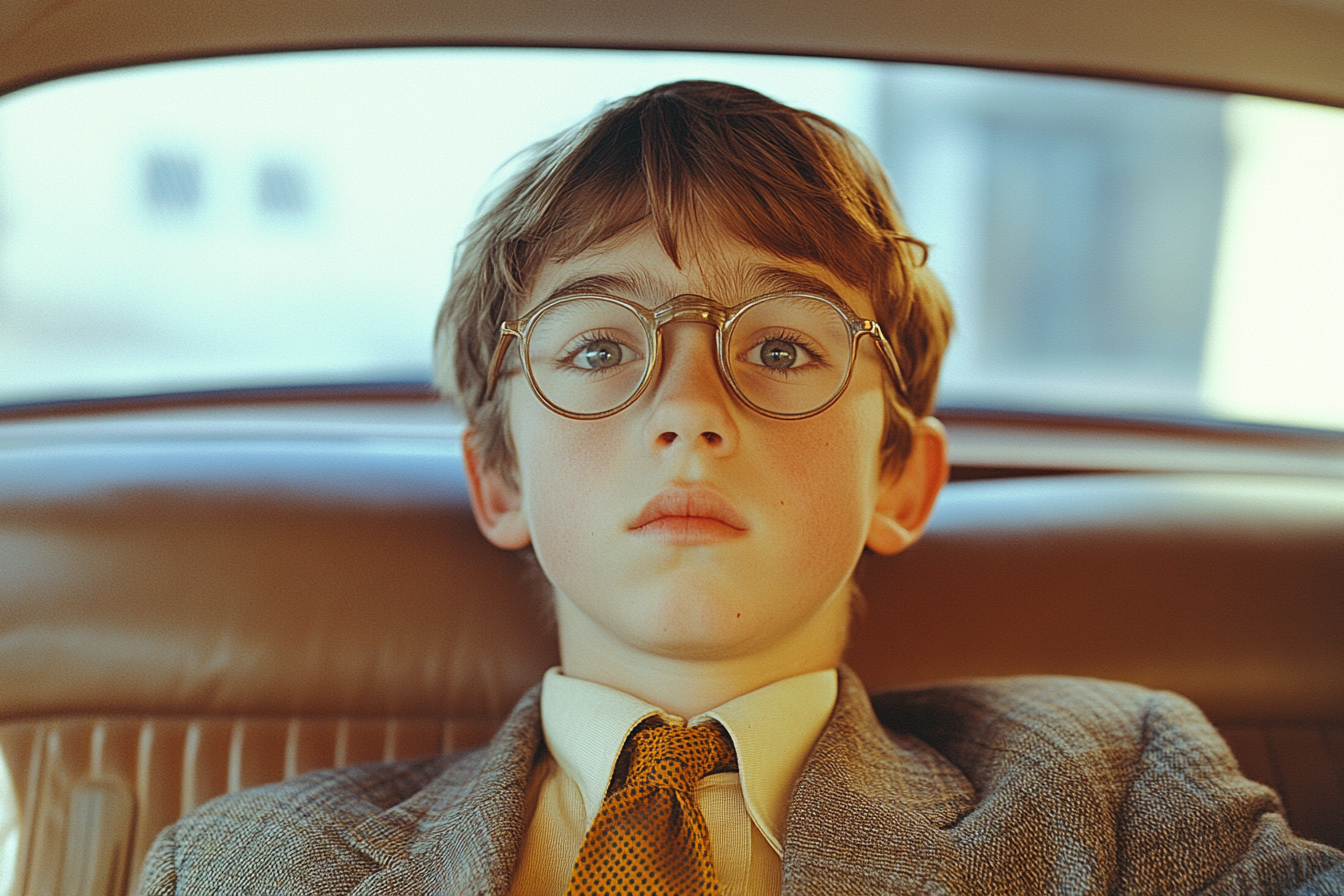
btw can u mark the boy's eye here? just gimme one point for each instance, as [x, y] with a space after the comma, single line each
[599, 355]
[779, 354]
[606, 350]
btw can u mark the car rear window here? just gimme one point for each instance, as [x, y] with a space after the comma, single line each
[290, 219]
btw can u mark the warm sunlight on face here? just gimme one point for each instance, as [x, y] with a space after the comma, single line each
[688, 525]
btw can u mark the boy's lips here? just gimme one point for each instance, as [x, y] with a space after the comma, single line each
[688, 516]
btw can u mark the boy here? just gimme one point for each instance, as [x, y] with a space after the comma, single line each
[698, 354]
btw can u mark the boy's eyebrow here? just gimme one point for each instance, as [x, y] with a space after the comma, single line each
[630, 285]
[768, 278]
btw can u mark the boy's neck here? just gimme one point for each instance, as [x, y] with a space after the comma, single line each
[685, 686]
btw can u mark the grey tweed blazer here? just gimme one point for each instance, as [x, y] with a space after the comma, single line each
[1020, 786]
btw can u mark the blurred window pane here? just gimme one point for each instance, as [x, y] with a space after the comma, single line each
[290, 219]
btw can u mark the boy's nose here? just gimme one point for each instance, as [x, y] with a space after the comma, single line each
[691, 402]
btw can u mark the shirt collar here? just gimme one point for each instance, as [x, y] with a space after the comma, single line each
[773, 730]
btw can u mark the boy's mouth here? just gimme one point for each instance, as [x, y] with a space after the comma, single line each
[688, 516]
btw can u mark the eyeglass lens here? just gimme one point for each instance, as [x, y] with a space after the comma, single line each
[786, 355]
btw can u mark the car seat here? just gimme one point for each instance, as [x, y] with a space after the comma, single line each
[182, 617]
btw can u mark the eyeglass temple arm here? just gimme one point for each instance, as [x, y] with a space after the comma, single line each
[508, 331]
[874, 329]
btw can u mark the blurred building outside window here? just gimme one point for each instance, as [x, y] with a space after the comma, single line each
[172, 183]
[291, 219]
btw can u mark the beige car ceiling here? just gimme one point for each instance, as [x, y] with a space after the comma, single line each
[1288, 48]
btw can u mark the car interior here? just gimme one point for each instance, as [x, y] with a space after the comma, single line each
[211, 581]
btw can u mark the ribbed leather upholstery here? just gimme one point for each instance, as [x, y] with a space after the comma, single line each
[89, 794]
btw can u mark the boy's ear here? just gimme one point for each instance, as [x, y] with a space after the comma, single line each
[905, 501]
[496, 504]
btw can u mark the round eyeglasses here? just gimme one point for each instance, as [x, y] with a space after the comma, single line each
[784, 355]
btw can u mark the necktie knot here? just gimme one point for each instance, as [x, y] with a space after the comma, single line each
[677, 758]
[649, 836]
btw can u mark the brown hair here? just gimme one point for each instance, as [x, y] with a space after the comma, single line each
[688, 158]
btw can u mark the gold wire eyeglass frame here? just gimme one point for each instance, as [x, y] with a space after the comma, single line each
[689, 308]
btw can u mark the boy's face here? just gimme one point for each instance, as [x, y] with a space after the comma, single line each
[688, 526]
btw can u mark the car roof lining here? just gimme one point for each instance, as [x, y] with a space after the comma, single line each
[1287, 48]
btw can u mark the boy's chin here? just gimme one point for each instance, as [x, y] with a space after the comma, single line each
[684, 627]
[704, 645]
[694, 626]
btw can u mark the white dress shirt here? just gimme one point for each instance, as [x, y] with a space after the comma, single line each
[586, 725]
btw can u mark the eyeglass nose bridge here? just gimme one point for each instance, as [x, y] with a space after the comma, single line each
[691, 309]
[687, 308]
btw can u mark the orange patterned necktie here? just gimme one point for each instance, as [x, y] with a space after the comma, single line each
[649, 836]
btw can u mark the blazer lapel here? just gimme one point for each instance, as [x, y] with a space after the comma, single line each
[461, 833]
[870, 809]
